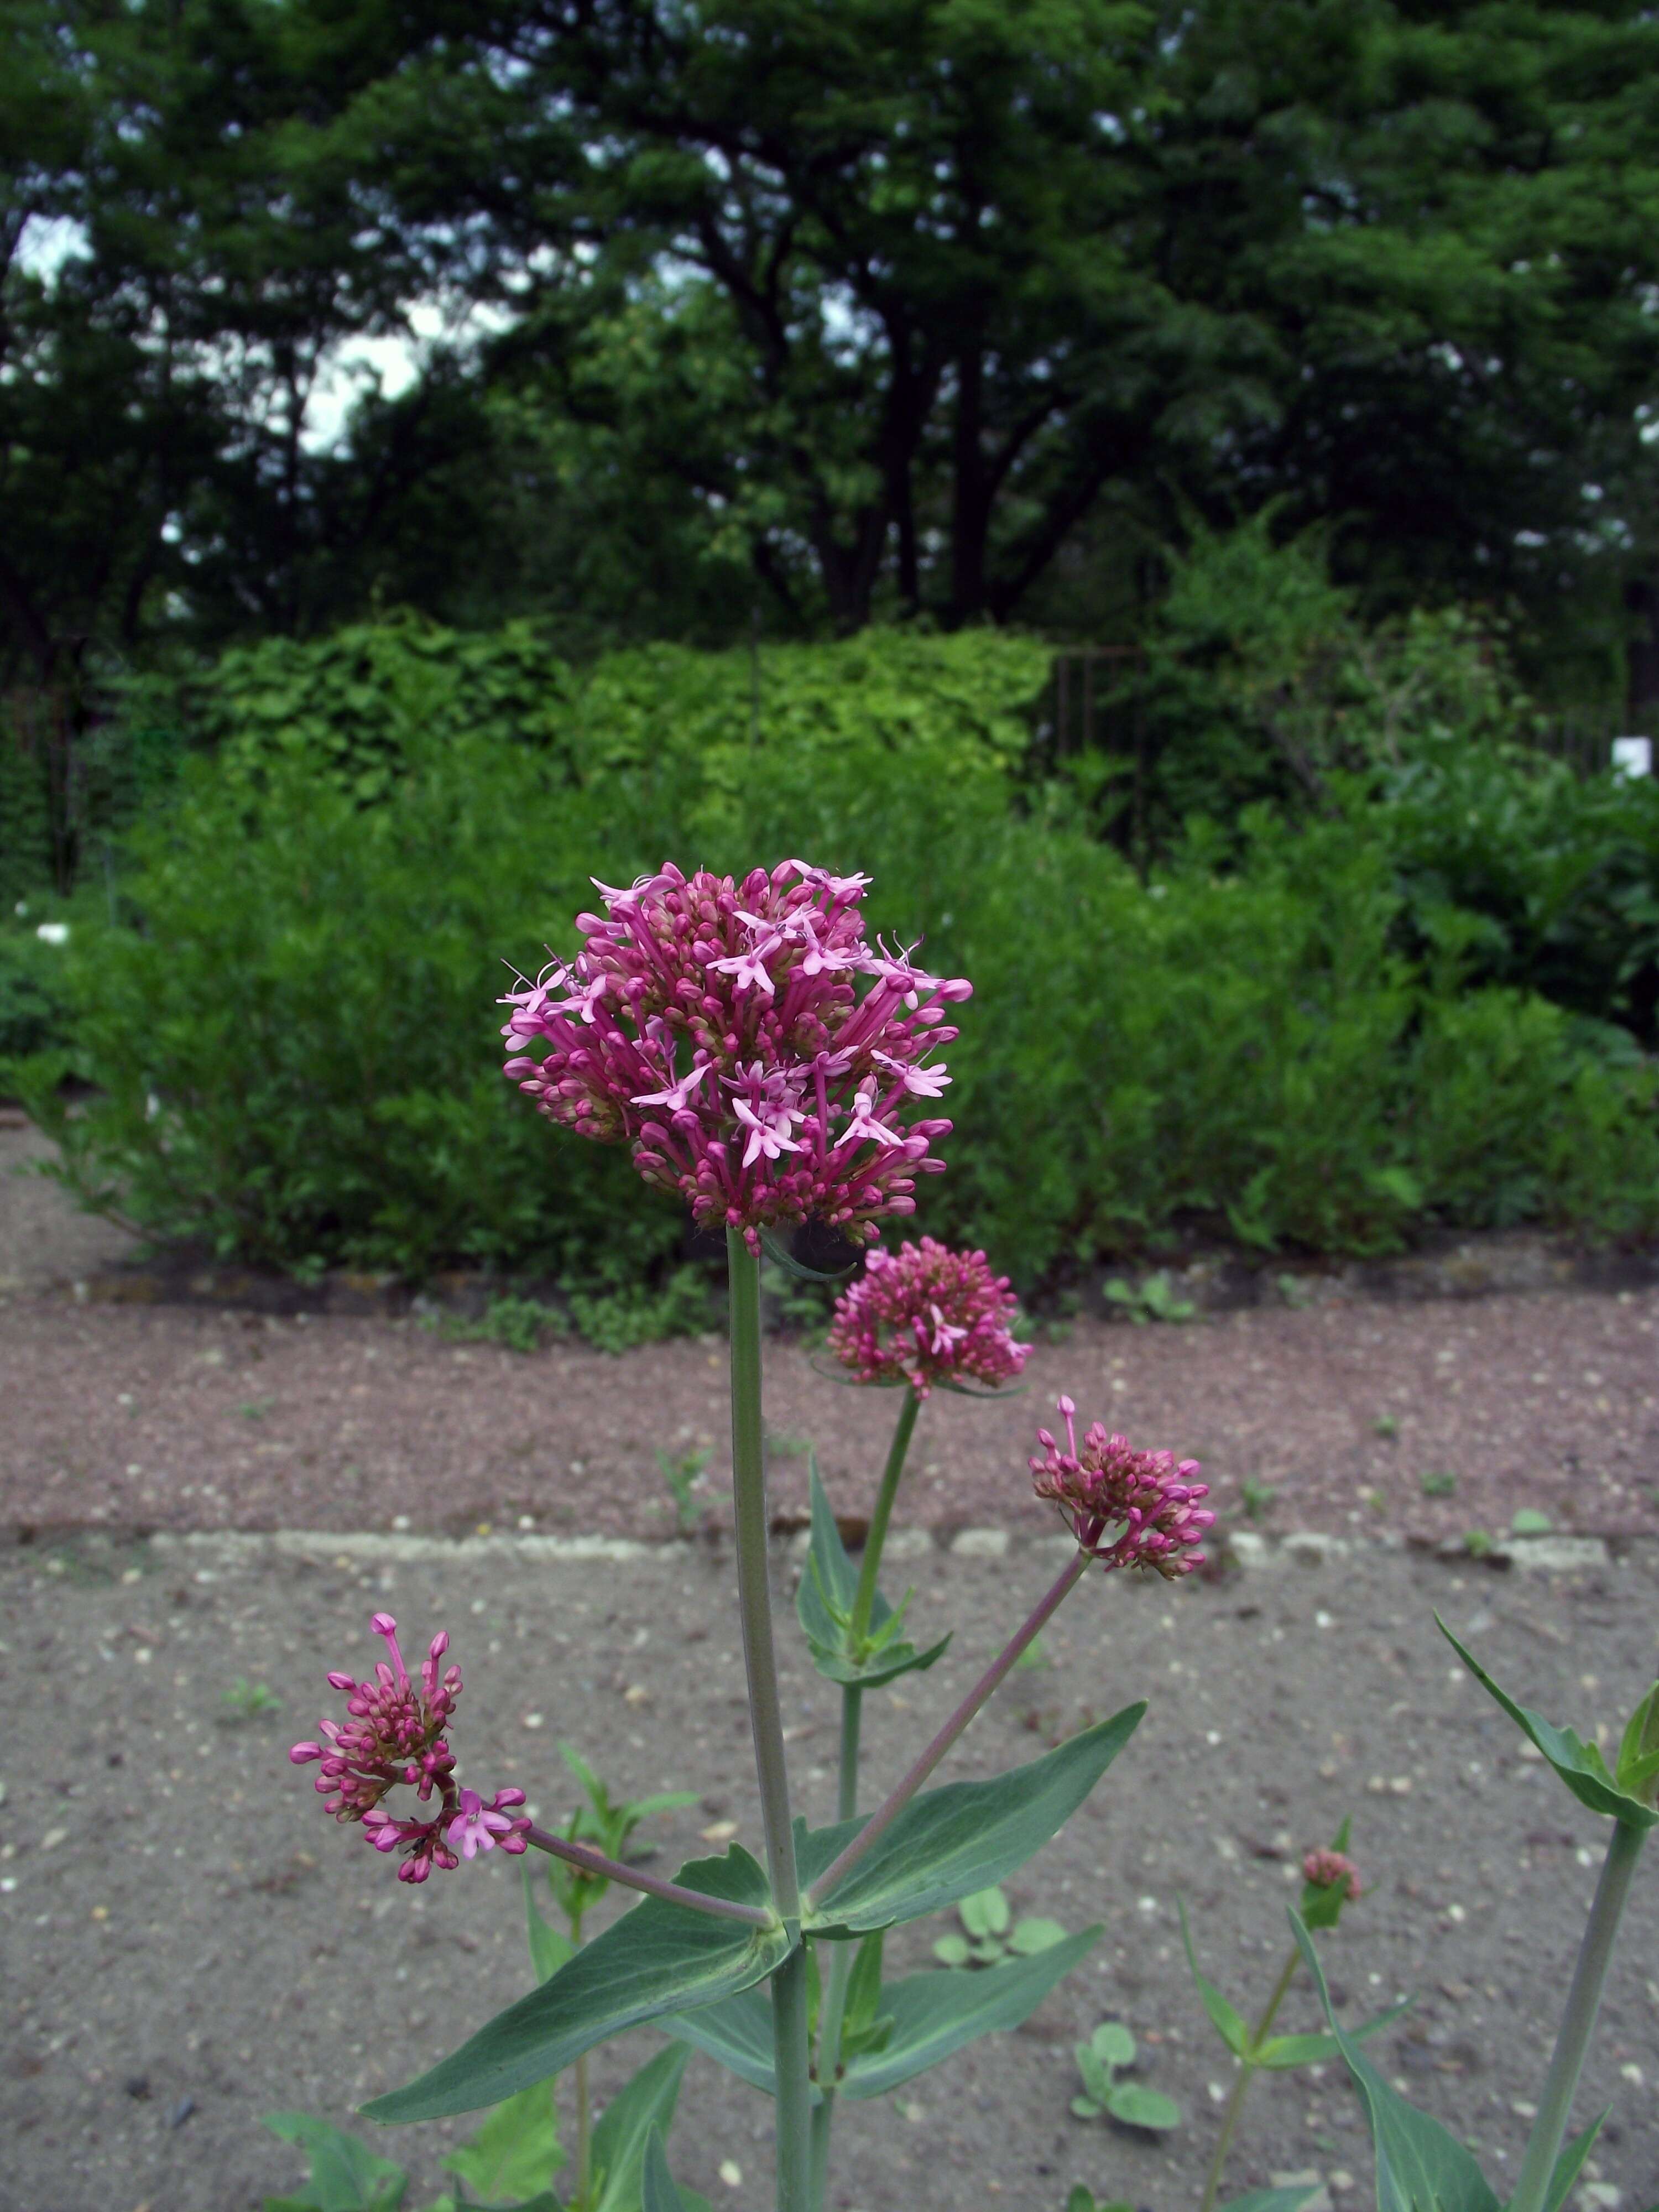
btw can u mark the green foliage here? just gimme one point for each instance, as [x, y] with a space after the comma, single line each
[903, 2028]
[1438, 1482]
[657, 1959]
[1623, 1792]
[607, 1823]
[518, 1324]
[345, 2175]
[1282, 1035]
[948, 1843]
[823, 1605]
[245, 1701]
[1153, 1298]
[515, 2154]
[681, 1472]
[989, 1933]
[1102, 2061]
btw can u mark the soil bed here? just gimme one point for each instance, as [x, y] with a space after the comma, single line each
[190, 1942]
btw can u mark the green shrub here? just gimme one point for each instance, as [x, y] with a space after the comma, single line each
[300, 1054]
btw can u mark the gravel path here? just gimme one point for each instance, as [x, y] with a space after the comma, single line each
[170, 1417]
[189, 1943]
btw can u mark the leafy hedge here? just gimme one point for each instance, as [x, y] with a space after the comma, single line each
[1286, 1034]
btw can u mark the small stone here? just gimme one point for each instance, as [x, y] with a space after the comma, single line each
[731, 2173]
[718, 1832]
[53, 1838]
[535, 1720]
[1632, 2074]
[636, 1694]
[1600, 2196]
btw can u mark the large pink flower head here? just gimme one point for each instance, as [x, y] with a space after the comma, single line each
[1126, 1508]
[926, 1314]
[758, 1054]
[395, 1733]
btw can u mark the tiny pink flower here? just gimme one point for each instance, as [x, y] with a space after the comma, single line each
[1126, 1508]
[927, 1314]
[479, 1827]
[1329, 1869]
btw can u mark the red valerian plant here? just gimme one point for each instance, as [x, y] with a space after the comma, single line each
[759, 1055]
[1126, 1508]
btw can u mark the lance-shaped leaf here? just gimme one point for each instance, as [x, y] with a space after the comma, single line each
[1580, 1765]
[658, 2192]
[1228, 2024]
[657, 1959]
[515, 2154]
[933, 2015]
[948, 1843]
[1279, 2053]
[824, 1604]
[1420, 2166]
[645, 2107]
[930, 2016]
[737, 2032]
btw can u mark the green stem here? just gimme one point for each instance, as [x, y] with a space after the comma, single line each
[789, 2037]
[653, 1885]
[1246, 2074]
[841, 1956]
[864, 1597]
[988, 1682]
[583, 2149]
[1578, 2021]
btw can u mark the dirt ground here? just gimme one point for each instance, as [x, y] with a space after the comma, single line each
[190, 1943]
[1428, 1419]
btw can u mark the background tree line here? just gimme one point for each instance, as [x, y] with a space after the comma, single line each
[748, 313]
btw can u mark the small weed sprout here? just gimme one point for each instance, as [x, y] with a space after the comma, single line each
[246, 1701]
[991, 1933]
[682, 1473]
[1154, 1298]
[1101, 2061]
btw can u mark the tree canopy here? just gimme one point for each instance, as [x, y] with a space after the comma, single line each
[948, 308]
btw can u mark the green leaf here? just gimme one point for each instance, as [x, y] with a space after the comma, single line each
[1529, 1521]
[1113, 2045]
[985, 1913]
[516, 2153]
[1031, 1936]
[1572, 2156]
[1086, 2109]
[635, 2113]
[549, 1948]
[864, 1987]
[346, 2176]
[657, 2190]
[1580, 1765]
[1279, 2053]
[1227, 2023]
[948, 1843]
[657, 1959]
[1419, 2167]
[1138, 2106]
[1636, 1766]
[934, 2014]
[823, 1603]
[1096, 2075]
[952, 1950]
[736, 2032]
[931, 2014]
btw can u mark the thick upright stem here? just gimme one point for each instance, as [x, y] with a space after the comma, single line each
[789, 2036]
[864, 1597]
[584, 2140]
[987, 1684]
[1246, 2074]
[846, 1780]
[1578, 2021]
[841, 1956]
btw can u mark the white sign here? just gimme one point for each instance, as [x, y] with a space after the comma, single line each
[1632, 756]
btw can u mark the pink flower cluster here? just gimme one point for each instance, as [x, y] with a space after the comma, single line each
[755, 1050]
[1126, 1508]
[926, 1314]
[1329, 1869]
[396, 1732]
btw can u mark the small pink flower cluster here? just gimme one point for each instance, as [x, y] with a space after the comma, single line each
[718, 1029]
[396, 1733]
[1126, 1508]
[926, 1314]
[1329, 1869]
